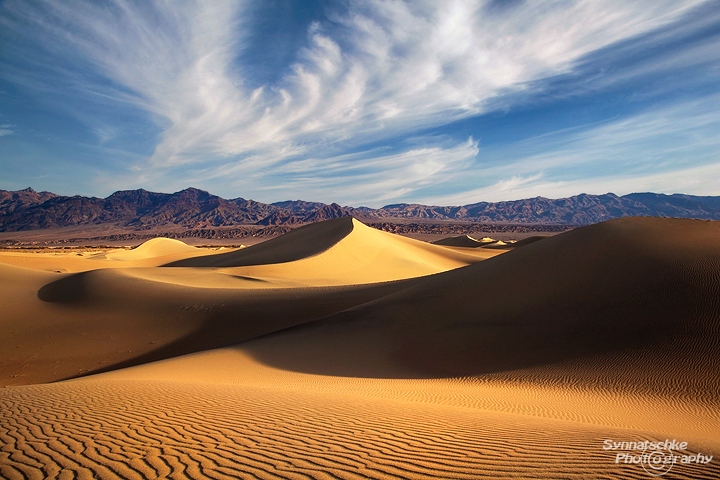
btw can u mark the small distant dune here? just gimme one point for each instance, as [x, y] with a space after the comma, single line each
[463, 241]
[156, 247]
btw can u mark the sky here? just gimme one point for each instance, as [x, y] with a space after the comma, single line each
[362, 102]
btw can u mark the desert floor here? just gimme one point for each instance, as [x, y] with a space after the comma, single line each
[340, 351]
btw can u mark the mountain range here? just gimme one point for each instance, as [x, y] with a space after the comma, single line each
[192, 208]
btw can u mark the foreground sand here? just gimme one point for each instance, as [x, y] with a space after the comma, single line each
[403, 360]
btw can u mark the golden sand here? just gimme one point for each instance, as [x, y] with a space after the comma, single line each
[339, 351]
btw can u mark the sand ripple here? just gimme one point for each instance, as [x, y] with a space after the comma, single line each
[167, 430]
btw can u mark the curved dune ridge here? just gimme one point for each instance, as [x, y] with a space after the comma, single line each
[106, 319]
[463, 366]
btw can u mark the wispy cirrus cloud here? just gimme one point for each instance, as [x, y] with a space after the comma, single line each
[371, 72]
[701, 180]
[673, 149]
[372, 178]
[363, 178]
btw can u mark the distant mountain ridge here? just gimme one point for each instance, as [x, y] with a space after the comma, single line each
[140, 209]
[193, 208]
[583, 209]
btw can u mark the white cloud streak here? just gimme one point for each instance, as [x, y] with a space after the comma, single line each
[378, 70]
[370, 178]
[6, 129]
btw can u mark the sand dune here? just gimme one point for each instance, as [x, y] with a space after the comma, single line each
[466, 241]
[156, 247]
[499, 245]
[341, 237]
[519, 365]
[463, 241]
[350, 253]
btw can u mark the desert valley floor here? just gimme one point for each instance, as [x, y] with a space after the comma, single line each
[340, 351]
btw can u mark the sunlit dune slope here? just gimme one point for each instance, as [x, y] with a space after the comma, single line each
[631, 303]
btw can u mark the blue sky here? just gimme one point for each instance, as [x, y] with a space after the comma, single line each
[362, 102]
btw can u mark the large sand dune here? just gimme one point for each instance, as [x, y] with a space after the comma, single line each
[352, 353]
[337, 252]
